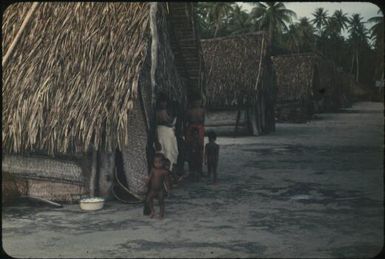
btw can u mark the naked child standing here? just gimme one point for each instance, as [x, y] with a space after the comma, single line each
[211, 156]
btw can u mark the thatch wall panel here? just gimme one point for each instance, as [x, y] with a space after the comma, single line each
[134, 154]
[37, 167]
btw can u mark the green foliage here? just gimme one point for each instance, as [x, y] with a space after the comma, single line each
[321, 33]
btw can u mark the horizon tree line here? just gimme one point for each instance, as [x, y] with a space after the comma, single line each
[322, 33]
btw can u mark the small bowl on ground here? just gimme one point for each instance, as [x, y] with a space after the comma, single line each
[94, 203]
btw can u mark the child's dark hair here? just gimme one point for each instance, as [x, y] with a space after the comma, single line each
[159, 155]
[211, 135]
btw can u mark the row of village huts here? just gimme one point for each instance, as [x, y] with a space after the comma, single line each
[80, 82]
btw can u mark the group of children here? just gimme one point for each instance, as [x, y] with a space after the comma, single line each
[160, 179]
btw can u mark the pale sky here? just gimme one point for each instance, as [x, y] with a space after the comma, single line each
[366, 9]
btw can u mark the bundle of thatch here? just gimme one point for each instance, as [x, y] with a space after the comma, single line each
[85, 75]
[233, 65]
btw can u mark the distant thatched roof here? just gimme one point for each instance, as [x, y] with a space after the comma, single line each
[73, 76]
[232, 65]
[294, 75]
[302, 75]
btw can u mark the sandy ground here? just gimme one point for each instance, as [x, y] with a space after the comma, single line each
[307, 190]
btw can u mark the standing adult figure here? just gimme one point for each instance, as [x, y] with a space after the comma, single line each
[195, 118]
[165, 132]
[177, 110]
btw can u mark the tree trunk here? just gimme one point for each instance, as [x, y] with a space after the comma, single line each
[358, 67]
[263, 114]
[216, 30]
[253, 119]
[237, 121]
[258, 115]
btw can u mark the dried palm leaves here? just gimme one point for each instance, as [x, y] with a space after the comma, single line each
[231, 65]
[73, 75]
[294, 75]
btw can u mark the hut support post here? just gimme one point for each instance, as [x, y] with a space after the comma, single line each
[253, 119]
[93, 172]
[237, 120]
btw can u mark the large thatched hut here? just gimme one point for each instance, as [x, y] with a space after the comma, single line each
[80, 81]
[239, 83]
[305, 84]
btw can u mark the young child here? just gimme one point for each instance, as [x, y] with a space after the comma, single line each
[211, 156]
[167, 183]
[196, 150]
[155, 182]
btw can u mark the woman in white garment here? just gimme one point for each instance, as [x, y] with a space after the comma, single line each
[166, 139]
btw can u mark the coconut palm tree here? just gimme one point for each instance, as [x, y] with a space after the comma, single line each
[377, 29]
[271, 17]
[358, 39]
[305, 33]
[320, 19]
[202, 20]
[291, 38]
[239, 21]
[341, 19]
[333, 43]
[377, 34]
[332, 27]
[217, 14]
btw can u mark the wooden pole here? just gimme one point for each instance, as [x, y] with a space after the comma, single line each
[93, 171]
[237, 120]
[18, 35]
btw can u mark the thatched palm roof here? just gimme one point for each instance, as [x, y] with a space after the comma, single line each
[73, 76]
[294, 75]
[232, 65]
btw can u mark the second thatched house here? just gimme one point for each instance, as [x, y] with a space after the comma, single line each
[239, 83]
[306, 83]
[80, 81]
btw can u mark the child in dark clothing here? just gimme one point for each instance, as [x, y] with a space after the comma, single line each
[196, 149]
[156, 181]
[211, 156]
